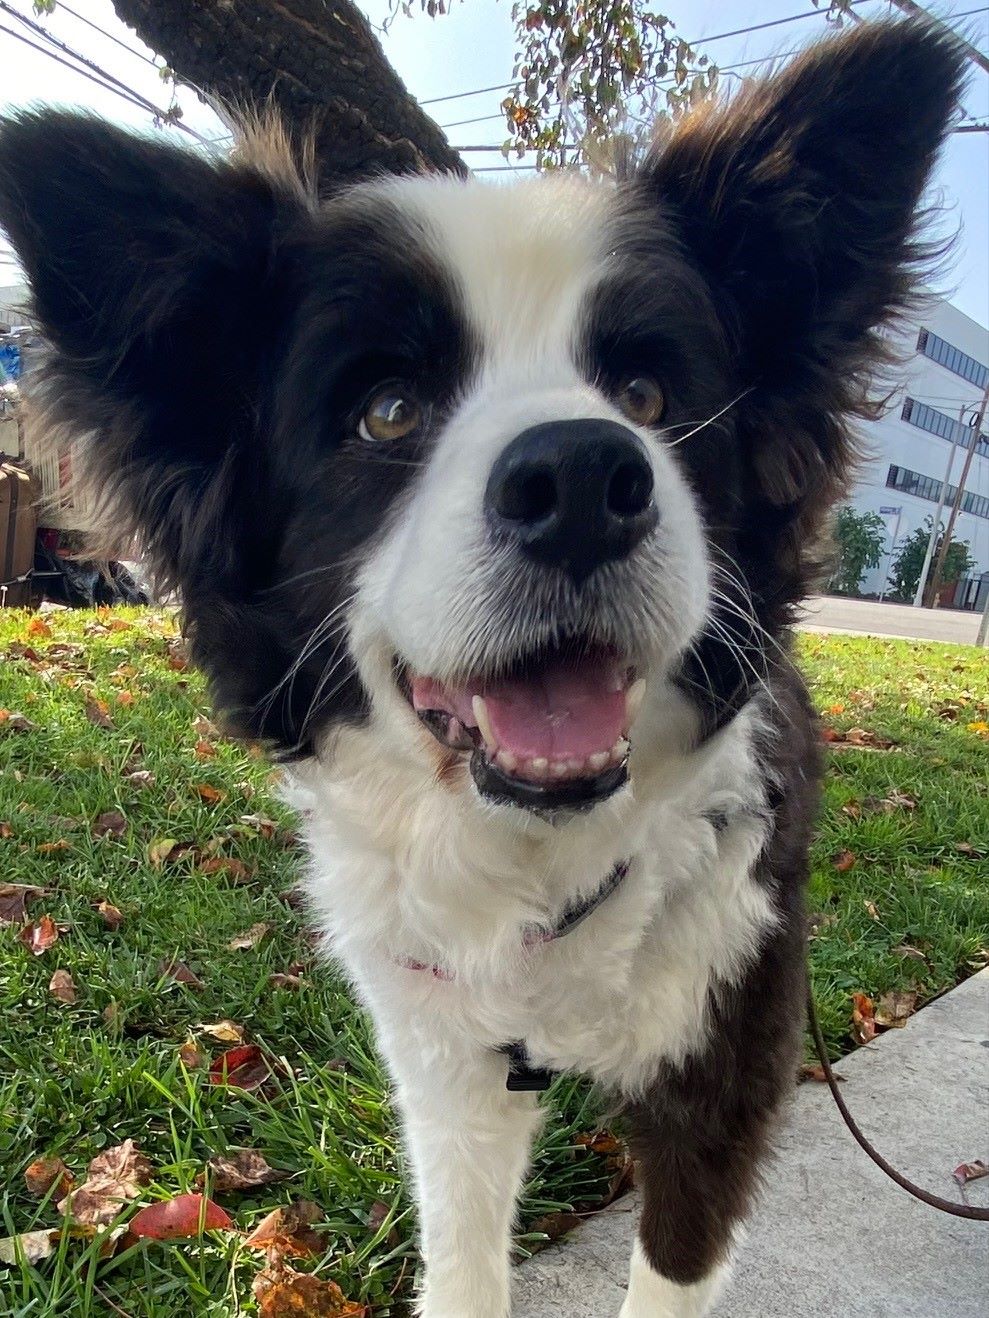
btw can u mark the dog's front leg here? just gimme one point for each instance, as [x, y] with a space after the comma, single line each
[468, 1141]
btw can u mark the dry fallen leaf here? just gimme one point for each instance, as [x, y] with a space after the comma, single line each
[112, 915]
[44, 1173]
[249, 938]
[907, 951]
[49, 848]
[229, 865]
[281, 1292]
[62, 986]
[191, 1056]
[970, 1171]
[32, 1246]
[112, 823]
[285, 981]
[140, 778]
[204, 750]
[873, 910]
[843, 861]
[161, 850]
[893, 1010]
[243, 1170]
[223, 1031]
[185, 1215]
[40, 935]
[180, 973]
[114, 1178]
[37, 627]
[245, 1067]
[815, 1071]
[206, 792]
[289, 1231]
[863, 1018]
[98, 712]
[14, 898]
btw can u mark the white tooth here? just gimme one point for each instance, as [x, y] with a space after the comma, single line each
[559, 769]
[633, 700]
[539, 766]
[506, 760]
[598, 760]
[484, 722]
[619, 751]
[575, 766]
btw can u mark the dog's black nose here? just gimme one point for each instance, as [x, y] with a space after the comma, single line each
[574, 494]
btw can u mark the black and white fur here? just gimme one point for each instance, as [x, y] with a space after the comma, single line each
[216, 331]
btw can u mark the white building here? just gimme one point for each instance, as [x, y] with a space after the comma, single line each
[942, 386]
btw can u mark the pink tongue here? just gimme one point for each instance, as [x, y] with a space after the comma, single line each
[560, 713]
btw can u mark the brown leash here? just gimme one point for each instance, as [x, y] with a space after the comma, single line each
[933, 1200]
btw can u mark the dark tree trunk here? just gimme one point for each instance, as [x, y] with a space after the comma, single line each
[319, 62]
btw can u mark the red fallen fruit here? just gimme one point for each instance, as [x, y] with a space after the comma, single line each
[185, 1215]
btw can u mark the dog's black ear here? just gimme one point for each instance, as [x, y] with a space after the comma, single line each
[150, 268]
[798, 200]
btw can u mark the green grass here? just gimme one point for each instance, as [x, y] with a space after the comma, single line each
[77, 1078]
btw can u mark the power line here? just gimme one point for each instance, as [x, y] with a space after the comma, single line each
[103, 78]
[148, 59]
[701, 41]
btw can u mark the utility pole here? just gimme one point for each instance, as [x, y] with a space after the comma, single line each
[983, 636]
[936, 575]
[932, 539]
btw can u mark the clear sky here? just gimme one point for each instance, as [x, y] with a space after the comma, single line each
[472, 48]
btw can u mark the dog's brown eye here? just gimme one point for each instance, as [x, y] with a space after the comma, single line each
[642, 400]
[392, 413]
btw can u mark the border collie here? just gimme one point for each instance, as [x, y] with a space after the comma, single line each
[490, 507]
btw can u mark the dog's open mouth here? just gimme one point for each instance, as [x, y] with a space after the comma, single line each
[550, 732]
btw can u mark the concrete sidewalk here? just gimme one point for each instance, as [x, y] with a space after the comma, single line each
[832, 613]
[833, 1237]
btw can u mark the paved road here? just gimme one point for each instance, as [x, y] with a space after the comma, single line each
[832, 1237]
[828, 613]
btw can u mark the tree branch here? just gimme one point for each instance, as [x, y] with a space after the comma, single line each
[318, 62]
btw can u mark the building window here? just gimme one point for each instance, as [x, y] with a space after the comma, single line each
[927, 487]
[953, 358]
[930, 419]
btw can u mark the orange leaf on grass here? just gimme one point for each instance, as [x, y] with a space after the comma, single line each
[843, 861]
[281, 1292]
[863, 1018]
[40, 935]
[49, 848]
[185, 1215]
[44, 1173]
[245, 1067]
[205, 750]
[206, 792]
[289, 1230]
[38, 627]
